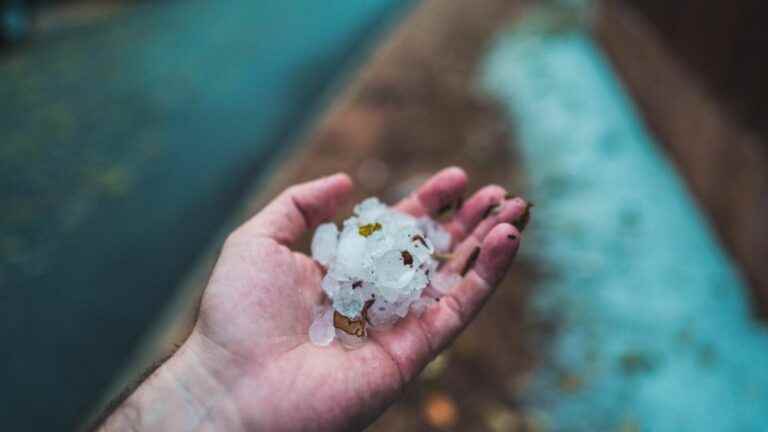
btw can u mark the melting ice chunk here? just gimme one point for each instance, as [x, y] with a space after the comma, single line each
[377, 267]
[322, 332]
[324, 243]
[330, 285]
[419, 306]
[443, 282]
[348, 303]
[440, 238]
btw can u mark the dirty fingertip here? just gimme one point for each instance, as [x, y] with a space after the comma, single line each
[497, 253]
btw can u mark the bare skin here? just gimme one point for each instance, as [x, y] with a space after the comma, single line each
[248, 363]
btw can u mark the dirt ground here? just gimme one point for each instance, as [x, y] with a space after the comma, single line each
[414, 110]
[411, 110]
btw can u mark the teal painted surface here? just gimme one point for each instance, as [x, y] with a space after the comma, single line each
[123, 148]
[651, 315]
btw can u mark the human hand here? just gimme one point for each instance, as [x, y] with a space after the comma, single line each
[248, 364]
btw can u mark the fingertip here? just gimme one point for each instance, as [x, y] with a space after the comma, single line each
[443, 189]
[503, 239]
[491, 192]
[509, 211]
[518, 201]
[316, 201]
[521, 222]
[498, 251]
[338, 187]
[341, 177]
[455, 172]
[478, 206]
[512, 210]
[341, 182]
[496, 189]
[334, 191]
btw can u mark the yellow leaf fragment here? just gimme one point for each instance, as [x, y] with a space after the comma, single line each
[368, 229]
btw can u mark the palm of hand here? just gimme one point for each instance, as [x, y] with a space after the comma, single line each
[258, 306]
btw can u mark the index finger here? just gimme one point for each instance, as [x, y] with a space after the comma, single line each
[439, 191]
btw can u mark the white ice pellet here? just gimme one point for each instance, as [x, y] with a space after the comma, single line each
[351, 259]
[402, 307]
[382, 313]
[377, 267]
[419, 306]
[324, 243]
[370, 208]
[391, 273]
[443, 282]
[330, 285]
[322, 331]
[348, 303]
[440, 238]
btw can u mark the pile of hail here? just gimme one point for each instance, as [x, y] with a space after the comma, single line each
[377, 269]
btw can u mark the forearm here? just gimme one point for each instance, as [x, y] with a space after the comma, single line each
[181, 395]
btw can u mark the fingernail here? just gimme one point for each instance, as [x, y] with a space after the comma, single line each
[451, 206]
[444, 209]
[524, 218]
[471, 261]
[492, 209]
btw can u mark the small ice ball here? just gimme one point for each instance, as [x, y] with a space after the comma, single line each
[351, 257]
[322, 331]
[348, 303]
[324, 243]
[378, 266]
[421, 247]
[330, 285]
[432, 266]
[382, 313]
[416, 285]
[420, 306]
[388, 293]
[403, 306]
[440, 238]
[370, 208]
[442, 241]
[391, 268]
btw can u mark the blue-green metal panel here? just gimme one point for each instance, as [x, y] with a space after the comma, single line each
[123, 148]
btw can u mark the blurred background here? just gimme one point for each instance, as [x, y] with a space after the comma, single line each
[135, 135]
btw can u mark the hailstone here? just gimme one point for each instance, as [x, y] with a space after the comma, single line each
[377, 268]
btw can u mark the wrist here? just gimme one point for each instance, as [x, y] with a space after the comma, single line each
[190, 391]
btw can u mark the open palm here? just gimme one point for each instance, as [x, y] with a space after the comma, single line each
[257, 308]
